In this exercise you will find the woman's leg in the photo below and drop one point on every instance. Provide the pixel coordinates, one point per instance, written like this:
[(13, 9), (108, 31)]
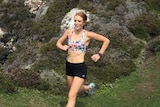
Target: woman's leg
[(84, 88), (69, 81), (75, 87)]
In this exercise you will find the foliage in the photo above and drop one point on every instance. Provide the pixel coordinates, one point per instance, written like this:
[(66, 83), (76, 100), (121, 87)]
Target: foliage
[(154, 45), (45, 31), (110, 69), (55, 80), (140, 88), (58, 9), (115, 63), (145, 27), (29, 79), (3, 54), (11, 17), (7, 84), (153, 4), (87, 5), (51, 57), (120, 41), (50, 27), (114, 3)]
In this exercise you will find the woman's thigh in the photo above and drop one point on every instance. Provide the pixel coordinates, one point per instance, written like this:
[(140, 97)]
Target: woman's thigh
[(69, 80), (76, 85)]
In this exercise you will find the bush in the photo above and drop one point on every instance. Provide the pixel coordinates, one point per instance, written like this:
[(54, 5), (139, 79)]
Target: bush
[(58, 9), (3, 54), (145, 27), (114, 3), (56, 81), (14, 12), (87, 5), (7, 84), (123, 41), (109, 70), (154, 45), (153, 4), (45, 31), (51, 57), (29, 79)]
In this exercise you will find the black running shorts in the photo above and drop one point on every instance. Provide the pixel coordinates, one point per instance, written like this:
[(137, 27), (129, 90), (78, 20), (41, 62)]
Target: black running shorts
[(76, 69)]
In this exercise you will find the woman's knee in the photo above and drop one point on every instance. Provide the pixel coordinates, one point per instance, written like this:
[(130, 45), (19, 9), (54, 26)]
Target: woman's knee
[(72, 96)]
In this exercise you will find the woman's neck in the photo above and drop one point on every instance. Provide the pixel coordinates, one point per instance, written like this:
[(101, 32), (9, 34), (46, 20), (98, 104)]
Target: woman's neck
[(78, 31)]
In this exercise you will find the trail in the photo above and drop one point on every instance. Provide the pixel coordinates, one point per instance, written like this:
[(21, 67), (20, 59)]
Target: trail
[(146, 87)]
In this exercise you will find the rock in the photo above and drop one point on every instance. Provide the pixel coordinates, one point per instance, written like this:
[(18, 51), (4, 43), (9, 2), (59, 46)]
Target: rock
[(33, 4), (1, 33)]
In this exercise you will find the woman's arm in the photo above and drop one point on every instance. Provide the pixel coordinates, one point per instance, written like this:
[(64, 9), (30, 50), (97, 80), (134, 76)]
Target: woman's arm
[(61, 40), (104, 46)]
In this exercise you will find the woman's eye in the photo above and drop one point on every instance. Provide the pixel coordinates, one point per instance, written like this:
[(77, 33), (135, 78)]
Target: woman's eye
[(77, 21)]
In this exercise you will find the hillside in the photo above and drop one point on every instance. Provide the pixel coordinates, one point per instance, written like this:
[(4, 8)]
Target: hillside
[(29, 57)]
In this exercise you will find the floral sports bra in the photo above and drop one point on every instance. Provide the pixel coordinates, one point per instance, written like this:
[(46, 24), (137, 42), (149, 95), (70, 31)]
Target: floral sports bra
[(78, 45)]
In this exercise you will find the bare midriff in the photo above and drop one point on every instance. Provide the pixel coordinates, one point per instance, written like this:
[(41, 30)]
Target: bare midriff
[(75, 56)]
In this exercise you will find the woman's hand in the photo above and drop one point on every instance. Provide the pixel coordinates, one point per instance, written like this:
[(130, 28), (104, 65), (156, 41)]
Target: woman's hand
[(65, 47), (95, 57)]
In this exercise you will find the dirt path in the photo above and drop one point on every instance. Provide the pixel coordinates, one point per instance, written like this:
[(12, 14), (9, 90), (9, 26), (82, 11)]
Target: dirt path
[(146, 87)]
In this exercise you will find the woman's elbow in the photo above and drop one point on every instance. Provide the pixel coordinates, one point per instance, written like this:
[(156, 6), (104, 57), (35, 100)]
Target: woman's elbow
[(57, 44), (107, 40)]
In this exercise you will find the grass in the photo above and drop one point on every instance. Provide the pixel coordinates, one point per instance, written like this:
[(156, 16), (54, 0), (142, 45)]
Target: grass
[(140, 89)]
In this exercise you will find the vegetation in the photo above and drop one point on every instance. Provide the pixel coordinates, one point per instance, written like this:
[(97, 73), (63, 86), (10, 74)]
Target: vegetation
[(7, 84), (120, 75), (145, 27), (154, 45), (153, 4), (140, 88)]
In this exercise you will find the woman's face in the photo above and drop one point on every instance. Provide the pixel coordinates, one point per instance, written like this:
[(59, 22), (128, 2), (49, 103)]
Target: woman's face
[(78, 22)]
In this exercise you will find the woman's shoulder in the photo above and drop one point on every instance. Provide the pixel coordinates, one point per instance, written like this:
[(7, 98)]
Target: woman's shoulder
[(69, 30), (89, 33)]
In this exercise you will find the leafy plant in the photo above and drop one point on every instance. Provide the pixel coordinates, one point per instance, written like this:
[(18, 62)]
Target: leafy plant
[(7, 84), (29, 79), (154, 45), (153, 4), (3, 55), (145, 27), (87, 5), (51, 57)]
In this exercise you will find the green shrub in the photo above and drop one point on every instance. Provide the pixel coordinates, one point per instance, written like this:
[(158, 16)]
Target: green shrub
[(58, 9), (135, 50), (108, 70), (113, 4), (13, 13), (29, 79), (3, 54), (153, 4), (51, 57), (87, 5), (45, 30), (112, 65), (57, 81), (7, 84), (50, 27), (154, 45), (122, 41), (145, 27)]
